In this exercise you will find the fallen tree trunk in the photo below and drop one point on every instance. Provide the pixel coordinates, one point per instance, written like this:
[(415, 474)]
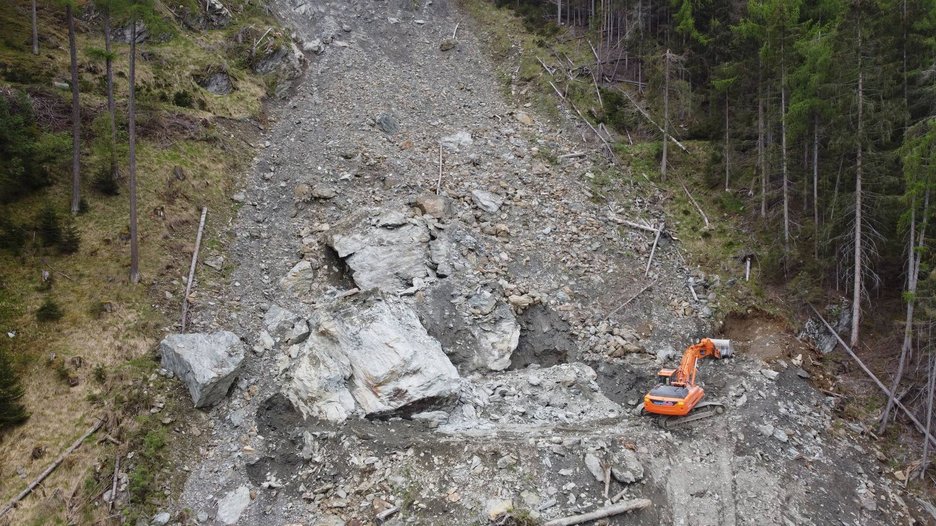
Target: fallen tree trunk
[(191, 275), (601, 513), (48, 471), (920, 427)]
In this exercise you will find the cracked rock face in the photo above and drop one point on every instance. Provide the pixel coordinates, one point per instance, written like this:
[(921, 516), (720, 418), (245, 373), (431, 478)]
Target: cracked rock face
[(385, 252), (373, 357)]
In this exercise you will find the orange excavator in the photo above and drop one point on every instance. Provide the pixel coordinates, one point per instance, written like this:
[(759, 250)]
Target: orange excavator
[(677, 394)]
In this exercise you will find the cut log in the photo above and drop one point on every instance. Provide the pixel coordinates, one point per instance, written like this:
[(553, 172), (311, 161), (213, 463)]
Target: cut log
[(191, 275), (601, 513), (48, 471)]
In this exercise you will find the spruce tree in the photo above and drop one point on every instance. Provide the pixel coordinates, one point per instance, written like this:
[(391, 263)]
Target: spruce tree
[(12, 412), (49, 227)]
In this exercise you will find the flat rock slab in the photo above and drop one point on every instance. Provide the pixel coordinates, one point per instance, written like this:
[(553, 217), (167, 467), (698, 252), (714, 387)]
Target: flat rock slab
[(206, 363), (487, 201), (232, 505), (371, 354)]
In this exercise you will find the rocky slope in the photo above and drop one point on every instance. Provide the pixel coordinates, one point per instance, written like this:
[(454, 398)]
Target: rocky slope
[(454, 345)]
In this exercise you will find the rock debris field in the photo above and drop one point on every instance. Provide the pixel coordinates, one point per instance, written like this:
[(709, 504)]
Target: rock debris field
[(414, 357)]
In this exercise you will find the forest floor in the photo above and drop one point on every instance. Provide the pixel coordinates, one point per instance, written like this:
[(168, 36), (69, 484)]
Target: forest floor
[(355, 148), (96, 362)]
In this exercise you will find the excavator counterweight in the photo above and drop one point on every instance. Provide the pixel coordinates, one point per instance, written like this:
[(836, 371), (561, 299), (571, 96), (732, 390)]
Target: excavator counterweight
[(677, 393)]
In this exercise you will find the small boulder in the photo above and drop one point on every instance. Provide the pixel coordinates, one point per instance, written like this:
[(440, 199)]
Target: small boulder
[(387, 124), (487, 201), (434, 205), (315, 46), (324, 191), (206, 363), (232, 505), (524, 118), (299, 279), (447, 44), (279, 321), (625, 468), (456, 141), (593, 464), (302, 193)]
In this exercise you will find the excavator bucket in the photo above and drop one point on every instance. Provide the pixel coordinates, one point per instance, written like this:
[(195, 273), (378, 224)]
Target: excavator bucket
[(724, 347)]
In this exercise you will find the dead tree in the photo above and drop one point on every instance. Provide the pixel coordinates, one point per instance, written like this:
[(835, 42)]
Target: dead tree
[(131, 128), (35, 30), (76, 113), (914, 255), (666, 68), (858, 259)]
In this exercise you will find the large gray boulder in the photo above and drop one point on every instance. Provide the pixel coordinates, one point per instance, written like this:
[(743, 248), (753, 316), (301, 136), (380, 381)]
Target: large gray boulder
[(372, 354), (206, 363), (386, 251)]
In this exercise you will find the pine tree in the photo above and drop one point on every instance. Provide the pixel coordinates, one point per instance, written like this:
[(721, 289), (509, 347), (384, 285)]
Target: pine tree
[(49, 227), (138, 11), (12, 412), (76, 110), (71, 238)]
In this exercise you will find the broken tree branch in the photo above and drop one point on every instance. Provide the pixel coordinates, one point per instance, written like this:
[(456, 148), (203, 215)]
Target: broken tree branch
[(880, 385), (653, 250), (455, 32), (110, 505), (647, 116), (699, 208), (638, 226), (632, 298), (191, 275), (597, 134), (439, 182), (42, 476), (547, 68), (607, 511), (257, 43)]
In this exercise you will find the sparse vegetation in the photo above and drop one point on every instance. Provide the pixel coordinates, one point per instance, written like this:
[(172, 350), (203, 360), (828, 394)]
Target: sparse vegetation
[(49, 311), (94, 313)]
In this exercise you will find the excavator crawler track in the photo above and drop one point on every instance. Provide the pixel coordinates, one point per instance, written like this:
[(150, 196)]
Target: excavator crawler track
[(701, 411)]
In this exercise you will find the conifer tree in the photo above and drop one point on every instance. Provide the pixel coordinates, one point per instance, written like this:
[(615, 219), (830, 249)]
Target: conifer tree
[(12, 412)]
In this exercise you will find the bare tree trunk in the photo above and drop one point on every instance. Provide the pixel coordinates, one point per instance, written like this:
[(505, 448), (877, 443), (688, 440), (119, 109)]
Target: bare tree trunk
[(727, 162), (131, 117), (76, 114), (908, 328), (783, 150), (931, 387), (761, 154), (35, 30), (856, 292), (815, 186), (559, 12), (111, 105), (914, 255), (666, 59)]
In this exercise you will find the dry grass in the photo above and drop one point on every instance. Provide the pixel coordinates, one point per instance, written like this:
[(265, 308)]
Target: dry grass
[(107, 322)]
